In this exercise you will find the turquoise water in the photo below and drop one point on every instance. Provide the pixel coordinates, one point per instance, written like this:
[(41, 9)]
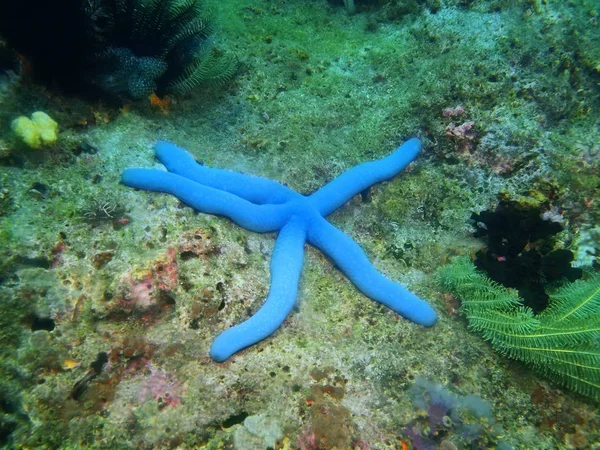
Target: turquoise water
[(111, 297)]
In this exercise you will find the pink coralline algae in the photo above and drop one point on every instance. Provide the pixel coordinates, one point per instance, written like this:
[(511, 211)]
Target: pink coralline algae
[(453, 112), (162, 387), (148, 292), (464, 136), (165, 271), (196, 244), (464, 131)]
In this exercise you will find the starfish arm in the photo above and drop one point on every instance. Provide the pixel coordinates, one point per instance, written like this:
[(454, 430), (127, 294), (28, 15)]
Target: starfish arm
[(254, 189), (286, 266), (258, 218), (352, 261), (355, 180)]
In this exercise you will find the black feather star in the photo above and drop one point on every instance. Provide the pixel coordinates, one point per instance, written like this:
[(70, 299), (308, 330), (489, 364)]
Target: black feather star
[(126, 48), (520, 253), (161, 46)]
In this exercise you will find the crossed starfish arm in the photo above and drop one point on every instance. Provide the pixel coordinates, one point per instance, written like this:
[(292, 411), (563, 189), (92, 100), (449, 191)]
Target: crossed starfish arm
[(258, 218), (254, 189)]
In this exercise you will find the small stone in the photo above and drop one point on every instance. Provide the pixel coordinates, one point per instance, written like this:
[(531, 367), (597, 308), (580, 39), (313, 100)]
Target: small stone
[(447, 445)]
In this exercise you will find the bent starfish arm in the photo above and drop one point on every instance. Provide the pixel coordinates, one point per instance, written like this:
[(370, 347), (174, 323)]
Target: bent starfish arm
[(286, 267), (258, 218), (352, 261), (249, 187), (355, 180)]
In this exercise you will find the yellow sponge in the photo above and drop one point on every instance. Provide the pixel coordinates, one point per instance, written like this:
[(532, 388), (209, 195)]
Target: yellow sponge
[(37, 132)]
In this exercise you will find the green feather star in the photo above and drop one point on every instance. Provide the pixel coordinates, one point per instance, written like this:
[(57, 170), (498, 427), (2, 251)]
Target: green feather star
[(562, 342)]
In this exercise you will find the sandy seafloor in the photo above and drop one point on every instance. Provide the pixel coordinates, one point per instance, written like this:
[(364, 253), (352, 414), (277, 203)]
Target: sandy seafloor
[(318, 91)]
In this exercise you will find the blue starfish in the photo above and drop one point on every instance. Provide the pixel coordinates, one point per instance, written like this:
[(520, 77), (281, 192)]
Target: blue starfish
[(262, 206)]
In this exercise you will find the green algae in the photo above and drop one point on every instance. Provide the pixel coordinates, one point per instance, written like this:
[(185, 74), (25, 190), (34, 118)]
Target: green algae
[(319, 91)]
